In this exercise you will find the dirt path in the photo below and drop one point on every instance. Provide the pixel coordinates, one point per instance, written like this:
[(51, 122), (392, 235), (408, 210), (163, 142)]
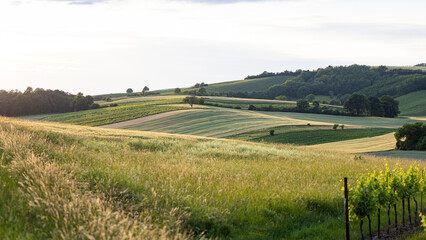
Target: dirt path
[(145, 119)]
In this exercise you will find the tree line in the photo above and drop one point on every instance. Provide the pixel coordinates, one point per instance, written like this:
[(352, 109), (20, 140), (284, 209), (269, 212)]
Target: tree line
[(343, 80), (41, 101)]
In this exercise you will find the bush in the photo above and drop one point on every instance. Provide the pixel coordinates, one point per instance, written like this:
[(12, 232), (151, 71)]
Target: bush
[(335, 126), (411, 136), (272, 132), (95, 106), (251, 107), (282, 97)]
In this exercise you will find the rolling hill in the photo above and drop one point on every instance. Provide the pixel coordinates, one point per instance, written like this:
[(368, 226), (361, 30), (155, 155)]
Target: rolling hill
[(413, 104), (65, 180)]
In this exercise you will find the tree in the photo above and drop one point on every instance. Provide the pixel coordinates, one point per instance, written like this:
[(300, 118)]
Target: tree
[(251, 107), (411, 136), (390, 106), (202, 91), (375, 107), (316, 105), (190, 100), (129, 90), (302, 105), (303, 91), (177, 90), (356, 104), (81, 102), (310, 97), (145, 90)]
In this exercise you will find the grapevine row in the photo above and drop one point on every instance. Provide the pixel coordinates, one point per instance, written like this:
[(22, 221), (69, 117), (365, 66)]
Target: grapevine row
[(383, 190)]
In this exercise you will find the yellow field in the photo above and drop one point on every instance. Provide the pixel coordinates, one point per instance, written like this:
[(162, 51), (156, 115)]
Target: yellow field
[(361, 145)]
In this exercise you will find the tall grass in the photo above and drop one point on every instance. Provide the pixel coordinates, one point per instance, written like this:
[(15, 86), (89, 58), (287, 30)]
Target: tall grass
[(61, 207), (147, 181)]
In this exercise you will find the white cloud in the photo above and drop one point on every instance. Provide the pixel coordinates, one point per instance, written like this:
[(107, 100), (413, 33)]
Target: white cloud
[(112, 45)]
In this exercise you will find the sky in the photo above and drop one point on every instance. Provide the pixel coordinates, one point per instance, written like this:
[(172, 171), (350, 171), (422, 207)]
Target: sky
[(107, 46)]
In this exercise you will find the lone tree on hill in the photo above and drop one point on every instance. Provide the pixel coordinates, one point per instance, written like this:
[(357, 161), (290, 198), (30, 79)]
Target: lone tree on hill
[(145, 90), (357, 104), (190, 100), (177, 90), (129, 90)]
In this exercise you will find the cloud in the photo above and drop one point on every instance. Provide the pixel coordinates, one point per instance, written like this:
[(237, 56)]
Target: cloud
[(82, 2), (115, 44)]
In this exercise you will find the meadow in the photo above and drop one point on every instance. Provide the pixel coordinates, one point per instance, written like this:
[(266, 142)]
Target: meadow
[(413, 104), (123, 112), (247, 85), (317, 134), (160, 186)]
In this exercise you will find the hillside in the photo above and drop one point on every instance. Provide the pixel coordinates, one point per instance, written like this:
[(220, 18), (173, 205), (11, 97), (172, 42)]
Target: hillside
[(65, 180), (413, 104), (247, 85)]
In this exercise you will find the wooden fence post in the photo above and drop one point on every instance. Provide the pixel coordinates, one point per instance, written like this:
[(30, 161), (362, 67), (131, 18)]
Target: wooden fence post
[(346, 208)]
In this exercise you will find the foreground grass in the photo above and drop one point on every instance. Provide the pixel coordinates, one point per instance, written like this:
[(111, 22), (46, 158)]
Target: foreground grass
[(310, 135), (223, 188), (120, 113)]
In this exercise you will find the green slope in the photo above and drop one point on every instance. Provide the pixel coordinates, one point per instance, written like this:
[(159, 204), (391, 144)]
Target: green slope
[(413, 104), (227, 122), (247, 85)]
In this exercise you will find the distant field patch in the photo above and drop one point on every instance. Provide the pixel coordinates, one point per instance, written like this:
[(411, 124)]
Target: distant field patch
[(305, 135), (214, 122), (120, 113), (247, 85), (413, 104), (369, 122), (361, 145), (400, 154)]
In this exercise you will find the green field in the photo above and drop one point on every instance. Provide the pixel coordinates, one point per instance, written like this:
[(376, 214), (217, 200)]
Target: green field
[(247, 85), (220, 122), (122, 112), (65, 180), (413, 104), (212, 122), (310, 135), (370, 122)]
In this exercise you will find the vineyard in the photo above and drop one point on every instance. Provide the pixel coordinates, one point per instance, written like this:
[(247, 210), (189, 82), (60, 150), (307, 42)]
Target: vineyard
[(385, 190)]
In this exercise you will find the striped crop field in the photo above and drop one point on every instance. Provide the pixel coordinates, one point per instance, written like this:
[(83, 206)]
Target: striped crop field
[(310, 135), (220, 122), (213, 122), (123, 112)]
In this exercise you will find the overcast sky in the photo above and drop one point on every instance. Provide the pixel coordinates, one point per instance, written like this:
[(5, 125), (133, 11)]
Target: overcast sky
[(108, 46)]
